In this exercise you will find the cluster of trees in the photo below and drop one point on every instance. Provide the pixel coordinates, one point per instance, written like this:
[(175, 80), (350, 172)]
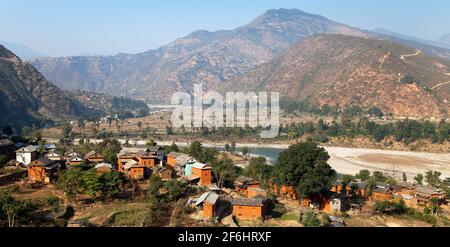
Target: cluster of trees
[(160, 192), (85, 180), (406, 131)]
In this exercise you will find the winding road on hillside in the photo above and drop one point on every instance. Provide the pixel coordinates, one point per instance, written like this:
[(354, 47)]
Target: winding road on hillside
[(404, 56)]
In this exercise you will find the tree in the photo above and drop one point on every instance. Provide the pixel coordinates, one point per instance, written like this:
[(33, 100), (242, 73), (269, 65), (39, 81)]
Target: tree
[(111, 183), (3, 160), (405, 178), (227, 148), (195, 149), (174, 189), (305, 167), (155, 185), (233, 147), (259, 169), (225, 171), (70, 182), (364, 175), (433, 178), (139, 124), (169, 130), (7, 131), (309, 219), (91, 182), (419, 179), (10, 207), (245, 150)]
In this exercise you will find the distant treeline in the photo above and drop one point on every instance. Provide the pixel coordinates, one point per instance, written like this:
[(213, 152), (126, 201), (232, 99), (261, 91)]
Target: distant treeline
[(406, 131), (292, 107)]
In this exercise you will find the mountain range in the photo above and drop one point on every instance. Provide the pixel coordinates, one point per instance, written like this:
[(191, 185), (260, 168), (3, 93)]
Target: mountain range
[(343, 71), (201, 57), (221, 58)]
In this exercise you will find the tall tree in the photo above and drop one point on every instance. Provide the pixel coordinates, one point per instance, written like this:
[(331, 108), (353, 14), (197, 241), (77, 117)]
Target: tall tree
[(304, 166)]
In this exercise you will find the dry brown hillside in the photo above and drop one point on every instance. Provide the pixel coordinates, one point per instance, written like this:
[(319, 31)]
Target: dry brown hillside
[(342, 71)]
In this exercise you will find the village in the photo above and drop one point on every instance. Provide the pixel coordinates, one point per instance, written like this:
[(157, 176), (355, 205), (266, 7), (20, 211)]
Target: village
[(176, 188)]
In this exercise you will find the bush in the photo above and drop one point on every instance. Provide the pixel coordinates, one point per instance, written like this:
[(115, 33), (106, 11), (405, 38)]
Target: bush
[(309, 219)]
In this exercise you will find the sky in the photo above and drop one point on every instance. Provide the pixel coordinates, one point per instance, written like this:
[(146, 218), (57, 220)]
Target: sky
[(108, 27)]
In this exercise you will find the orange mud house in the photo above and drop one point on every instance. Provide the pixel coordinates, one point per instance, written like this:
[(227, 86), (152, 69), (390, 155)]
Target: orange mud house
[(382, 192), (207, 202), (94, 157), (202, 173), (134, 170), (359, 187), (42, 170), (163, 172), (285, 191), (249, 208), (147, 158), (172, 159), (426, 194), (243, 183)]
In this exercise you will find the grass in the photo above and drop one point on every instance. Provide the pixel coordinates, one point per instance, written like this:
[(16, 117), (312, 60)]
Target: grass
[(289, 216)]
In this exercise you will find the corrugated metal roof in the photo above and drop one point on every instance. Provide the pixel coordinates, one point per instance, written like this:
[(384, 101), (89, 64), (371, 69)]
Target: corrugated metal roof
[(248, 201)]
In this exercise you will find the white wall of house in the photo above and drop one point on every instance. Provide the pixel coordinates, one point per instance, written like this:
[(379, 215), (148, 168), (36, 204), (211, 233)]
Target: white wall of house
[(25, 157)]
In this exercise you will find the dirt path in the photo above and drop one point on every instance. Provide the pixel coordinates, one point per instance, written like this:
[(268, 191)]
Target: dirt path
[(384, 60), (404, 56), (440, 85)]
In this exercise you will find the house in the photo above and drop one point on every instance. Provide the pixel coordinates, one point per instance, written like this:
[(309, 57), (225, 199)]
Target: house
[(172, 159), (208, 201), (285, 191), (123, 157), (242, 183), (425, 194), (361, 188), (134, 170), (338, 188), (188, 167), (42, 170), (74, 160), (163, 172), (156, 151), (7, 148), (203, 173), (26, 155), (176, 160), (147, 158), (103, 168), (50, 147), (382, 192), (255, 192), (94, 157), (55, 156), (69, 154), (249, 208)]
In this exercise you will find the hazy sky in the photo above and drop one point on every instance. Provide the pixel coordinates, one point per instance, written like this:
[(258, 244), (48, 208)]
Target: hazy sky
[(80, 27)]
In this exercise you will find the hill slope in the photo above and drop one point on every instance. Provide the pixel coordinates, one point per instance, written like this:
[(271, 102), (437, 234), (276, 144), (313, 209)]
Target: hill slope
[(25, 53), (201, 57), (26, 96), (343, 71)]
